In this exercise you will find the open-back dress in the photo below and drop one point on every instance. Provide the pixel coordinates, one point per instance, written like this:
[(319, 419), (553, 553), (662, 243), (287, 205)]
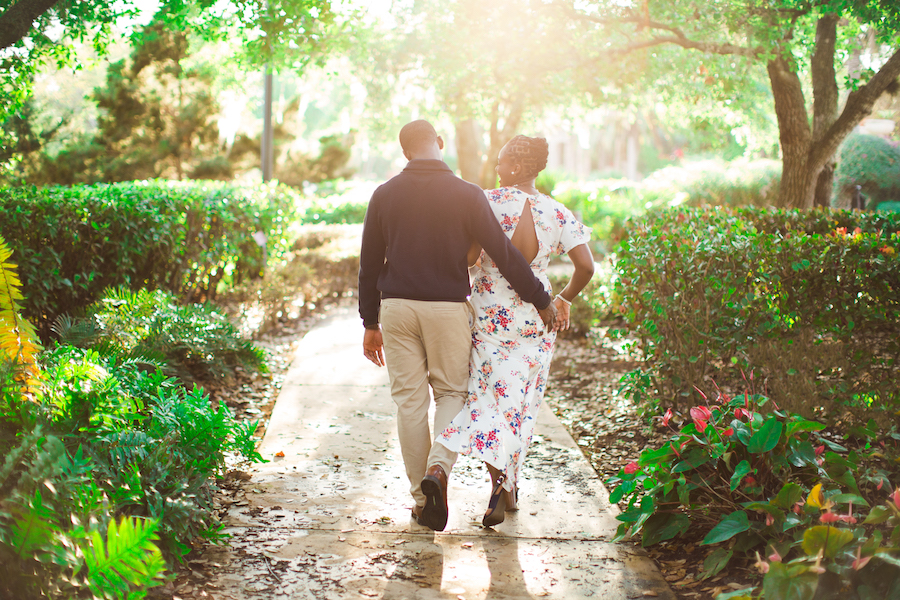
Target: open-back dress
[(511, 350)]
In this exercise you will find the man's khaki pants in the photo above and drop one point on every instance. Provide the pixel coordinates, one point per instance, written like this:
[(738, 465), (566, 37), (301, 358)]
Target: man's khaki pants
[(426, 343)]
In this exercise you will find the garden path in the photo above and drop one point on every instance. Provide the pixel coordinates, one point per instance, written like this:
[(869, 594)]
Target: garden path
[(328, 517)]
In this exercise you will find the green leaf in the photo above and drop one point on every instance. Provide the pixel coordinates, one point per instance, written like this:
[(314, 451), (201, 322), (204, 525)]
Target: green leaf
[(801, 453), (803, 425), (789, 494), (664, 526), (716, 561), (129, 557), (847, 498), (789, 582), (727, 528), (766, 437), (744, 594), (878, 514), (830, 538), (692, 459), (742, 469)]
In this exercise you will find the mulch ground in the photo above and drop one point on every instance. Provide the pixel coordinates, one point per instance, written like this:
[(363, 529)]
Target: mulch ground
[(583, 392)]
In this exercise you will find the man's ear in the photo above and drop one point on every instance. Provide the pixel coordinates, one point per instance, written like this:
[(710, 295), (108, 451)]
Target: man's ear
[(440, 142)]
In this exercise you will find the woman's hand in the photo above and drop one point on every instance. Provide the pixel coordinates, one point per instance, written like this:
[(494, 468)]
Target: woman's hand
[(562, 314)]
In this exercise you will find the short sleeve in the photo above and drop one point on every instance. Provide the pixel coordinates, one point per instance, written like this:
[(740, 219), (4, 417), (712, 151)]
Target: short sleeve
[(572, 232)]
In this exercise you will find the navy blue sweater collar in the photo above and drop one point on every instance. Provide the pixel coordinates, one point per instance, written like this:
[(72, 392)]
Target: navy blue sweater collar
[(422, 165)]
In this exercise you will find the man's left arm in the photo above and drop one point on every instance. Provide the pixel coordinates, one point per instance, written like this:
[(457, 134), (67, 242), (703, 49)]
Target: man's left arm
[(371, 261)]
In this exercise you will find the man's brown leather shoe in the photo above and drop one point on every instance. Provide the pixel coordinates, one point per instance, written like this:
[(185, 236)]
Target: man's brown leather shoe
[(434, 486)]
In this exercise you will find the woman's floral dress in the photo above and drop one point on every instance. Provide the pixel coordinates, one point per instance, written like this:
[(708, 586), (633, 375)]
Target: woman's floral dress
[(511, 352)]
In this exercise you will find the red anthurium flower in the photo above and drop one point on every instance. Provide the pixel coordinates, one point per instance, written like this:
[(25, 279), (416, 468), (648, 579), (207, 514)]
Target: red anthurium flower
[(667, 417), (774, 557), (741, 412), (749, 480), (895, 497), (829, 517), (701, 413), (820, 450), (631, 467), (860, 562), (728, 432)]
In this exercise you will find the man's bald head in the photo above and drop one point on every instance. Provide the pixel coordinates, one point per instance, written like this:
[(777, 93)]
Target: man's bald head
[(418, 137)]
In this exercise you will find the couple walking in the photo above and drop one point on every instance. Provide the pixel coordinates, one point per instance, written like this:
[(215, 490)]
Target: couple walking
[(486, 360)]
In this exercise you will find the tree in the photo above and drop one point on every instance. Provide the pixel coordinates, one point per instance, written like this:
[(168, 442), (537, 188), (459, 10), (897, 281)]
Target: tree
[(799, 44), (488, 63), (286, 34)]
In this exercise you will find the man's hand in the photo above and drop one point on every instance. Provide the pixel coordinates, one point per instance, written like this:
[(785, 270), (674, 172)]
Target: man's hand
[(548, 316), (373, 346)]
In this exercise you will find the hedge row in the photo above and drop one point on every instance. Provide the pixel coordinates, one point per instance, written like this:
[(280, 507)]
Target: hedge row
[(808, 302), (71, 243)]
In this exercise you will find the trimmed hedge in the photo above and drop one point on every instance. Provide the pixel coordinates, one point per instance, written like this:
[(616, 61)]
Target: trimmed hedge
[(806, 301), (71, 243)]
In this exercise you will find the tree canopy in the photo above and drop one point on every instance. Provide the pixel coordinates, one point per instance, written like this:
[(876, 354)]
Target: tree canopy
[(286, 34), (803, 45)]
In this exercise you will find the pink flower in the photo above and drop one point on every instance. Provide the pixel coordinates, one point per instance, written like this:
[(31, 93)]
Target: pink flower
[(829, 517), (761, 565), (667, 417), (774, 557), (631, 467), (700, 415), (860, 562), (895, 497), (820, 450), (880, 484), (769, 521), (742, 412)]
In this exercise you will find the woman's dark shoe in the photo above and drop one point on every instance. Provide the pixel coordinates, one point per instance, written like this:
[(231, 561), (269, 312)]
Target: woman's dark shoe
[(497, 505)]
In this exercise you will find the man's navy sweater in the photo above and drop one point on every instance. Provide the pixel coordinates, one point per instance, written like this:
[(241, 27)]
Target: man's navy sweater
[(419, 226)]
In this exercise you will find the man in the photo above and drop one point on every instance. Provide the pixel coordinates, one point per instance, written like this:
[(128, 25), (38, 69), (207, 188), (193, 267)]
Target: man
[(418, 229)]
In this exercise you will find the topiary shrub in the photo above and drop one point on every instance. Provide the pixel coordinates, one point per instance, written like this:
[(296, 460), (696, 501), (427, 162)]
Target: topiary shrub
[(873, 164)]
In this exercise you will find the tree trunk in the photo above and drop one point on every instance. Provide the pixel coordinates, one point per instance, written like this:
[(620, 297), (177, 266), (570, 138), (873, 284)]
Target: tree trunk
[(499, 137), (825, 99), (796, 189), (19, 18), (468, 150)]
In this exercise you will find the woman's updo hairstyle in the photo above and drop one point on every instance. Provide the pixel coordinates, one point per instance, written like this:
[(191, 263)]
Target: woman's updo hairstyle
[(529, 152)]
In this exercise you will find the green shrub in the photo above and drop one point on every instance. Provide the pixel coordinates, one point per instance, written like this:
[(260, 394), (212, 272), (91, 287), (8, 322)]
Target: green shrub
[(873, 164), (774, 485), (107, 462), (185, 237), (193, 342), (791, 295)]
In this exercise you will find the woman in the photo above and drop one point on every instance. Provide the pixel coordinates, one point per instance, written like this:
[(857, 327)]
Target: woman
[(511, 350)]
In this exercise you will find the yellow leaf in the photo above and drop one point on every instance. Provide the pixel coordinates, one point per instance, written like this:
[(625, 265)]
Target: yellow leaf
[(815, 497)]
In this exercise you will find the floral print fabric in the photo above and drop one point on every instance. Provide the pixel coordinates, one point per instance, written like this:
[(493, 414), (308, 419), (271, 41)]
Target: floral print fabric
[(511, 352)]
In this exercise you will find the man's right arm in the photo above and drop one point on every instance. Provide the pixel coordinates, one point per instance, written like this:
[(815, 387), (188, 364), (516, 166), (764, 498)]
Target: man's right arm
[(371, 261)]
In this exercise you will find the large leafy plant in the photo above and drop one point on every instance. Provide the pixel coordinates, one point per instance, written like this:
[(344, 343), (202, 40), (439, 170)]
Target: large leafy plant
[(769, 484)]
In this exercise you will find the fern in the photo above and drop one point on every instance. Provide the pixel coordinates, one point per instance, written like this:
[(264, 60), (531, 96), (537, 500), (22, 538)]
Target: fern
[(18, 341), (127, 560), (32, 527)]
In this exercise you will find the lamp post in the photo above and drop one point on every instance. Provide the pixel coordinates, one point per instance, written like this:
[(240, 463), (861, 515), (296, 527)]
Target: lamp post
[(267, 149)]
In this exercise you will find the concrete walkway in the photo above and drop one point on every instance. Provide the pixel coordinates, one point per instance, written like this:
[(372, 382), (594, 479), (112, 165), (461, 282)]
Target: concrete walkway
[(331, 517)]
